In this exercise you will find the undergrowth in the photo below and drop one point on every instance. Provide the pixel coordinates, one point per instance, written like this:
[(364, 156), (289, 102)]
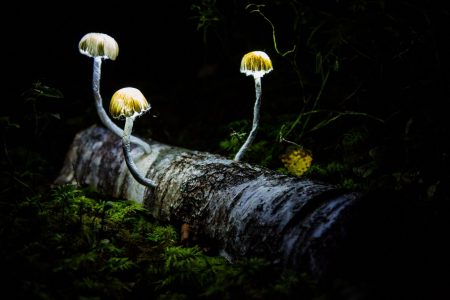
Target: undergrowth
[(71, 243)]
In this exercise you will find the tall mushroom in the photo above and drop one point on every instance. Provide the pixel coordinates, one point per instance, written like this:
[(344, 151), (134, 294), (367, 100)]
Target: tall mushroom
[(130, 103), (101, 46), (256, 64)]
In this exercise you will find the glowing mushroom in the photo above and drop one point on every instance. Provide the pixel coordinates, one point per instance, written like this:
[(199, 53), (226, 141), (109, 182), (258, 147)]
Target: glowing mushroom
[(101, 46), (256, 64), (130, 103)]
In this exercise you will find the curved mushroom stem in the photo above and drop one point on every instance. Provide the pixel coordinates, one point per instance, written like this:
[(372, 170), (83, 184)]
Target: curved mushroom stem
[(252, 135), (101, 111), (127, 152)]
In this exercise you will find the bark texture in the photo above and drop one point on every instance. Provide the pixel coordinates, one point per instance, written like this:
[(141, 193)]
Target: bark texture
[(244, 209)]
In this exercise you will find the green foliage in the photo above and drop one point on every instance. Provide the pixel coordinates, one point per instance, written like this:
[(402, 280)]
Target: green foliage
[(319, 39), (206, 13), (348, 84), (207, 16), (120, 212), (24, 156), (255, 278), (163, 234), (262, 151), (41, 118), (355, 169), (70, 241), (188, 270), (257, 152), (232, 144)]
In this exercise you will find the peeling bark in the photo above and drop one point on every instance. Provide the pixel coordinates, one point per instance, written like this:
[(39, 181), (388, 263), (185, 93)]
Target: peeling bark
[(245, 209)]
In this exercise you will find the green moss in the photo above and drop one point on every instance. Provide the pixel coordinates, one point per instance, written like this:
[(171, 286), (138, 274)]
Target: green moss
[(71, 241)]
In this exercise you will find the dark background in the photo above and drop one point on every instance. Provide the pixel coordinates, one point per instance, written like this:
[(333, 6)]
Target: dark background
[(160, 53), (189, 81), (393, 64), (191, 78)]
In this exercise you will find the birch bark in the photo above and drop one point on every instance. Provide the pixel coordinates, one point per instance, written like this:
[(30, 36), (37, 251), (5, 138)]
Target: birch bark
[(246, 210)]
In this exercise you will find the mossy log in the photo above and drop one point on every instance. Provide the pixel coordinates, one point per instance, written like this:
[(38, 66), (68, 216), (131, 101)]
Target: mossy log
[(245, 210)]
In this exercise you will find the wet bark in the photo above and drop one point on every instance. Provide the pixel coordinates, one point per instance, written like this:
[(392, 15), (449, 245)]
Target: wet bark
[(244, 209)]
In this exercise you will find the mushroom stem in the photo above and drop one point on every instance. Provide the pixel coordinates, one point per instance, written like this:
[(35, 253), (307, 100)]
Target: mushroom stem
[(101, 111), (252, 134), (127, 153)]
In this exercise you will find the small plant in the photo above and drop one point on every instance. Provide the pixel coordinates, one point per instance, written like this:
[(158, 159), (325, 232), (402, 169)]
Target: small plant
[(37, 92), (207, 15), (233, 143)]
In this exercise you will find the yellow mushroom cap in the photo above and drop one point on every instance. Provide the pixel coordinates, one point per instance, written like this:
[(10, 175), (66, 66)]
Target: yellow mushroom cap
[(99, 45), (256, 63), (128, 102)]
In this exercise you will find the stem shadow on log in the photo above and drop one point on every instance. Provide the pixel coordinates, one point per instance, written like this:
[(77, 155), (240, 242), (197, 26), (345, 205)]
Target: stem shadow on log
[(245, 209)]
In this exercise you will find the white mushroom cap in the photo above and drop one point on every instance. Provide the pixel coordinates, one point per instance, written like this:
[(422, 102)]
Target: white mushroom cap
[(128, 102), (256, 63), (99, 45)]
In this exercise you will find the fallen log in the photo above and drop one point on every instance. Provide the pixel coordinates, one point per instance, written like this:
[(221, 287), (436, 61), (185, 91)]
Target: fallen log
[(246, 210)]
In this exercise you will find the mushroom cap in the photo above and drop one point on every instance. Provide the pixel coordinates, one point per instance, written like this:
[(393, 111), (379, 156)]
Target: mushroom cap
[(128, 102), (256, 63), (96, 44)]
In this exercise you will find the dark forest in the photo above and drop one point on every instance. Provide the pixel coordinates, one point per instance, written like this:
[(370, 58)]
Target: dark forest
[(357, 98)]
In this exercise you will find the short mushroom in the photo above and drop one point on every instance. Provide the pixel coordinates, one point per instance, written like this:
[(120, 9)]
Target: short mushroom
[(256, 64), (101, 46), (130, 103)]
